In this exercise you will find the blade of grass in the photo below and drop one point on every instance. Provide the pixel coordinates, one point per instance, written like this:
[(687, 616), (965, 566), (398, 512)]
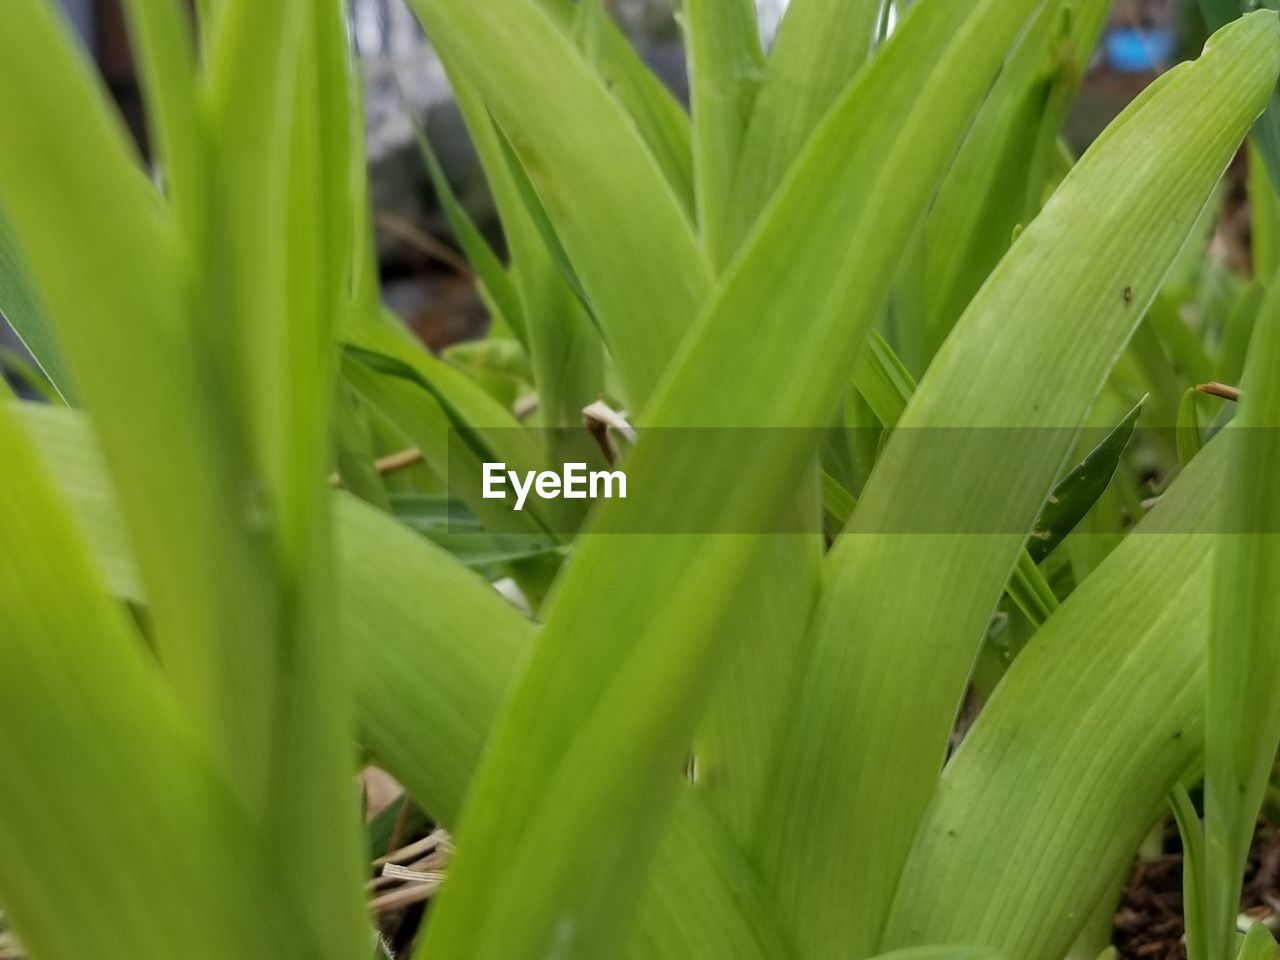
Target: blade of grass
[(1046, 799), (427, 702), (820, 47), (726, 66), (626, 231), (660, 118), (634, 698), (918, 605), (1259, 944), (86, 714), (445, 441), (1191, 830), (496, 285), (1080, 489), (161, 34), (1264, 217), (998, 176), (1266, 135), (886, 383), (19, 307), (353, 450), (564, 345), (312, 754), (124, 322), (1243, 709)]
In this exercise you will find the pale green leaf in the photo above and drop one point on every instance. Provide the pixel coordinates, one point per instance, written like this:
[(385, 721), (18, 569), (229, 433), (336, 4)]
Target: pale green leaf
[(726, 66), (161, 34), (88, 717), (660, 118), (1041, 337), (1047, 798), (1259, 944), (1191, 831), (428, 693), (1243, 709), (999, 174), (820, 47), (624, 228), (639, 661)]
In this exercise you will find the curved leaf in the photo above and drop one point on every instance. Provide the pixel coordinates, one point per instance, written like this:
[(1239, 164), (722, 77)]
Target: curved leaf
[(617, 678), (903, 616), (1047, 798)]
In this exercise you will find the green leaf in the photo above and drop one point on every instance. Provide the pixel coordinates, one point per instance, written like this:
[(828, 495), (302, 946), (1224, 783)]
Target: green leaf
[(1266, 135), (565, 347), (14, 366), (1193, 871), (1079, 490), (87, 715), (1264, 217), (1179, 339), (726, 66), (1259, 944), (447, 523), (566, 342), (640, 661), (1046, 799), (492, 276), (1239, 330), (381, 831), (998, 176), (1243, 709), (281, 268), (453, 421), (660, 118), (1189, 438), (19, 307), (452, 447), (124, 323), (427, 702), (920, 603), (160, 32), (625, 230), (819, 48), (353, 449)]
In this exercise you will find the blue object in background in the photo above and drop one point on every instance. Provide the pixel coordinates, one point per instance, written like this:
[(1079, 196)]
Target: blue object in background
[(81, 13), (1132, 50)]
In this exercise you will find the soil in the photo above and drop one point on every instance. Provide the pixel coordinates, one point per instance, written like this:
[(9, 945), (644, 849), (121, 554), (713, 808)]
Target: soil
[(1148, 923)]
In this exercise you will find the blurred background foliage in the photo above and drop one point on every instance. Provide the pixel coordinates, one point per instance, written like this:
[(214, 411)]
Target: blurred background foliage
[(1196, 331), (424, 280)]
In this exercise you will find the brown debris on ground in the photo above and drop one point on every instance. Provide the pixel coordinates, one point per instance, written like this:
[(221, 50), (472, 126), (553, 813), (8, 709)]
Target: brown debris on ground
[(1148, 923)]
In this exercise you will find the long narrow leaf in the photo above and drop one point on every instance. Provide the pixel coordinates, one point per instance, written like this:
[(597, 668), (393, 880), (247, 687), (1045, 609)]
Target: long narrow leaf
[(428, 695), (625, 707), (903, 616), (628, 234), (1046, 799), (87, 714), (726, 65), (163, 37), (106, 260), (820, 47), (1243, 707)]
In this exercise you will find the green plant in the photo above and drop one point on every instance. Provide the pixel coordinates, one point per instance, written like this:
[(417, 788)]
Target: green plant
[(192, 622)]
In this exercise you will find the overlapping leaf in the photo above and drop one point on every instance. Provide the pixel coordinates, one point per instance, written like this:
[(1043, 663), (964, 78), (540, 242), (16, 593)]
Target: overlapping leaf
[(903, 615)]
